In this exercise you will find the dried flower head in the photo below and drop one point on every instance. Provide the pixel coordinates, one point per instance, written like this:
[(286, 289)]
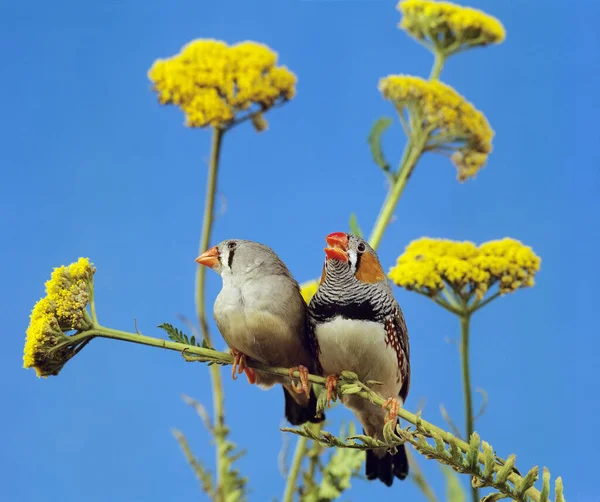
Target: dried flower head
[(429, 265), (212, 82), (448, 120), (447, 27), (63, 309)]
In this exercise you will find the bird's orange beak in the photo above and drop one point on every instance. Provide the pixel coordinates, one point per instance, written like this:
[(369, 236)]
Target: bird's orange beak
[(209, 258), (337, 246)]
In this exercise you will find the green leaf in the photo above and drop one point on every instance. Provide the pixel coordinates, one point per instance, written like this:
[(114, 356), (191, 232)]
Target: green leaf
[(558, 489), (354, 227), (490, 461), (472, 458), (454, 490), (527, 482), (379, 127), (506, 469), (174, 334), (544, 496)]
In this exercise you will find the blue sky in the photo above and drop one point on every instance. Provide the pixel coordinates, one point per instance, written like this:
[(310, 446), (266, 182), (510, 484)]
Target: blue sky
[(92, 166)]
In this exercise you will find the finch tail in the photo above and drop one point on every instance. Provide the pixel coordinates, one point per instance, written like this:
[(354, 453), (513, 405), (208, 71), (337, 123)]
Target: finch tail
[(388, 466), (298, 414)]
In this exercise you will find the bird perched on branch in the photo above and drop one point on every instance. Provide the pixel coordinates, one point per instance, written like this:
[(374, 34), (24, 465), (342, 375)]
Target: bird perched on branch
[(356, 325), (262, 316)]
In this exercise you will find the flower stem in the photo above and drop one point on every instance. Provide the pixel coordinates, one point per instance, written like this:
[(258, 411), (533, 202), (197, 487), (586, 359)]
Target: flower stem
[(224, 358), (410, 157), (465, 319), (207, 223), (438, 64), (290, 485)]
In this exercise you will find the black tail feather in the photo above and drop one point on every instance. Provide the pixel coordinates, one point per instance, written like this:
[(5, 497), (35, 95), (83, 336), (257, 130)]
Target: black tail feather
[(388, 466), (297, 414)]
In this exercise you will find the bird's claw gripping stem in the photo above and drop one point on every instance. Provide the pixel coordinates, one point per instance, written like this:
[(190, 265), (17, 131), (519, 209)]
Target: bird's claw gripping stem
[(239, 365), (394, 406), (304, 386), (331, 386)]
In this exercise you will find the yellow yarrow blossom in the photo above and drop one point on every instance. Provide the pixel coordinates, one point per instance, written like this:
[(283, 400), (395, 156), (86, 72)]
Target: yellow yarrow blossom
[(448, 27), (429, 265), (68, 288), (446, 118), (212, 82), (43, 334), (63, 309), (308, 289)]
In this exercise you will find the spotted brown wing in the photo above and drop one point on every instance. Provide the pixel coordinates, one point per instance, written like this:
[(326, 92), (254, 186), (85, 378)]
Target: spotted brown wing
[(397, 337)]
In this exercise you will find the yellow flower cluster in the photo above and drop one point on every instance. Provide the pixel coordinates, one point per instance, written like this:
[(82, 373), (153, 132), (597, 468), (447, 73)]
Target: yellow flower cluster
[(62, 309), (447, 118), (68, 289), (308, 289), (428, 265), (211, 81), (449, 27)]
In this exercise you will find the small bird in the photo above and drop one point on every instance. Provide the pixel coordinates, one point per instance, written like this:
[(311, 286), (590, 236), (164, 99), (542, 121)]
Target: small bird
[(356, 325), (262, 316)]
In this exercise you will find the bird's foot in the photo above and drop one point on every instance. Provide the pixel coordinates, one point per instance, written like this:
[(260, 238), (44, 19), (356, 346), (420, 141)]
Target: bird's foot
[(239, 365), (331, 386), (304, 386), (394, 406)]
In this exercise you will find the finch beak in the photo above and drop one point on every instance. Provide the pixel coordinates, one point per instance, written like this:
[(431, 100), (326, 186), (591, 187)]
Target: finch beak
[(209, 258), (337, 246)]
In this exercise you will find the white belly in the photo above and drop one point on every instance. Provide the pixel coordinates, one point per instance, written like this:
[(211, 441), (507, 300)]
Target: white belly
[(359, 346)]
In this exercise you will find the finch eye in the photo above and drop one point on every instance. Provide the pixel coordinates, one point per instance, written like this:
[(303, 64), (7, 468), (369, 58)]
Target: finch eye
[(361, 247), (231, 245)]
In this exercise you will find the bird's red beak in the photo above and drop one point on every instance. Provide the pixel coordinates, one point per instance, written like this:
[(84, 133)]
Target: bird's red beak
[(209, 258), (337, 246)]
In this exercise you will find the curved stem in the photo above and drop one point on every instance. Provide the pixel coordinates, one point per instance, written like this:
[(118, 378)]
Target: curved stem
[(207, 223), (412, 152), (438, 64), (290, 485), (466, 377), (224, 358)]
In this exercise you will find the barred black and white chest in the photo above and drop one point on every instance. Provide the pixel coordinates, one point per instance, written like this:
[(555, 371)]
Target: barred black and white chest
[(361, 329)]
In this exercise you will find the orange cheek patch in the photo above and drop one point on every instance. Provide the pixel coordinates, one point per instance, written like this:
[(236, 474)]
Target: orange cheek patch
[(369, 269)]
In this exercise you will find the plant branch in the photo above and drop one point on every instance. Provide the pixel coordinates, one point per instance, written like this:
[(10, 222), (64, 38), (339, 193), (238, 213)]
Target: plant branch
[(220, 431), (348, 383), (410, 157), (292, 478), (466, 378), (440, 59)]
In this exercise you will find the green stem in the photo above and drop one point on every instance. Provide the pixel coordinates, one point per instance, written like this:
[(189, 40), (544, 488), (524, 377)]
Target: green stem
[(207, 223), (410, 157), (92, 303), (440, 59), (224, 358), (479, 305), (290, 485), (466, 377)]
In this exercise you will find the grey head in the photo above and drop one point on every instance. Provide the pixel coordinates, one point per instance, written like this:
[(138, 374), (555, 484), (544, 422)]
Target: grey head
[(243, 260)]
